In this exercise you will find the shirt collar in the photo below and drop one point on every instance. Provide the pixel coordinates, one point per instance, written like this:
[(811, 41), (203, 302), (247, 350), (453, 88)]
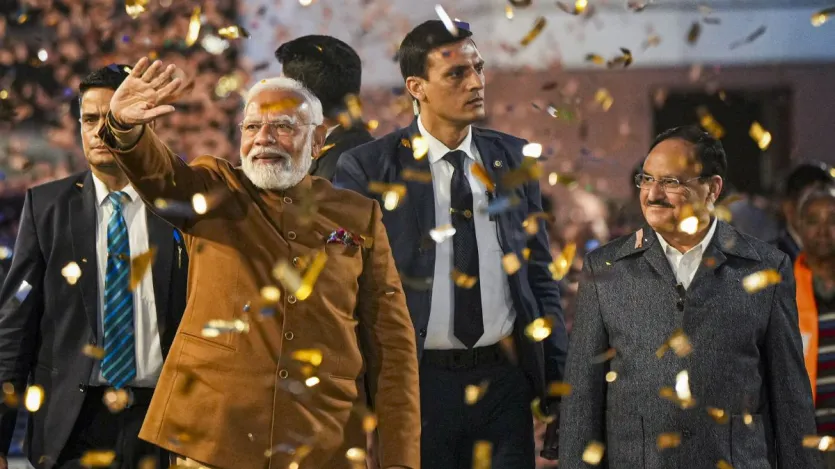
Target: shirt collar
[(102, 191), (702, 246), (437, 149)]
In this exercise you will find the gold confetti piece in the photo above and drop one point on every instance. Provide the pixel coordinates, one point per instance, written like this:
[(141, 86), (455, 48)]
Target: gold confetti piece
[(562, 264), (709, 123), (227, 84), (93, 352), (312, 381), (747, 418), (668, 440), (372, 125), (139, 266), (578, 8), (442, 233), (116, 400), (33, 398), (689, 225), (355, 455), (474, 392), (193, 27), (532, 150), (10, 398), (604, 357), (559, 389), (311, 275), (593, 453), (324, 150), (369, 423), (535, 31), (822, 16), (536, 410), (382, 188), (391, 200), (311, 356), (624, 59), (463, 280), (604, 99), (760, 280), (409, 174), (652, 41), (148, 462), (749, 38), (539, 329), (683, 394), (723, 213), (595, 59), (680, 343), (135, 8), (420, 147), (482, 455), (529, 170), (760, 135), (215, 327), (821, 443), (526, 254), (482, 175), (199, 204), (233, 32), (611, 376), (508, 12), (722, 464), (448, 23), (564, 179), (694, 33), (71, 272), (511, 263), (718, 415), (98, 458), (270, 293)]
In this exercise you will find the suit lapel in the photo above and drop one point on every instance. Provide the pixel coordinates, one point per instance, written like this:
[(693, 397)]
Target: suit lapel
[(161, 235), (495, 162), (420, 195), (329, 143), (726, 242), (83, 231), (645, 242)]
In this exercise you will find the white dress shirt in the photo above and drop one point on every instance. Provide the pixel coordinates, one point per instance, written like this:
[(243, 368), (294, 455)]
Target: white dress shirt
[(146, 329), (686, 264), (497, 306)]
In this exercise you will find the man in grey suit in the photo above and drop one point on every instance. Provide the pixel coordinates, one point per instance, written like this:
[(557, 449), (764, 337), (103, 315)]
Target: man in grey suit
[(685, 351)]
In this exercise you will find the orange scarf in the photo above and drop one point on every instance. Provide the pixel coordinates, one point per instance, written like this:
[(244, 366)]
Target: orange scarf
[(807, 316)]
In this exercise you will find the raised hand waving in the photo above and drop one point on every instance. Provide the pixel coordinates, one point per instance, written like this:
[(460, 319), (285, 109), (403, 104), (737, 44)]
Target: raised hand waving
[(146, 93)]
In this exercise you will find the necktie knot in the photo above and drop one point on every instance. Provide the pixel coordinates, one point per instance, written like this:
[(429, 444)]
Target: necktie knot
[(118, 198), (456, 159)]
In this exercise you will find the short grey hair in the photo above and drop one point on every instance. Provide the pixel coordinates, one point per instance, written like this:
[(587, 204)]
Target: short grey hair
[(814, 194), (289, 84)]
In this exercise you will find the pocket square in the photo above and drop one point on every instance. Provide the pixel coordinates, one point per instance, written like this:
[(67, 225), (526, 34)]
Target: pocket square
[(345, 237)]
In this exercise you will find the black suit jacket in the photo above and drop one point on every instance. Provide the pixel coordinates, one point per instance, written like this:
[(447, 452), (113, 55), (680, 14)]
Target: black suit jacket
[(42, 335), (534, 291), (786, 243), (342, 140)]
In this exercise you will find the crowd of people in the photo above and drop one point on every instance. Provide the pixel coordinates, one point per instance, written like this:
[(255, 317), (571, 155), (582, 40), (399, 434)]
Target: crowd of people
[(339, 301)]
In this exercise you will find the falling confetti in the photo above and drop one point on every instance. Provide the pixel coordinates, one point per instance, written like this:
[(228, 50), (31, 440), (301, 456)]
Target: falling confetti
[(508, 12), (312, 381), (511, 263), (135, 8), (595, 59), (356, 456), (116, 400), (559, 389), (233, 32), (473, 393), (718, 415), (310, 356), (529, 170), (539, 329), (10, 398), (578, 8), (749, 38), (216, 327), (761, 136), (565, 179), (71, 272), (531, 223), (409, 174), (420, 147), (139, 266), (822, 16), (481, 174), (709, 123), (747, 418), (448, 23), (760, 280), (821, 443), (98, 458), (535, 31), (611, 376), (532, 150), (562, 264), (694, 33), (482, 455), (604, 99), (668, 440), (625, 59), (604, 357), (689, 225), (369, 423), (463, 280), (199, 204), (270, 293), (722, 464), (193, 27), (93, 352), (442, 233), (33, 398), (536, 410), (593, 453)]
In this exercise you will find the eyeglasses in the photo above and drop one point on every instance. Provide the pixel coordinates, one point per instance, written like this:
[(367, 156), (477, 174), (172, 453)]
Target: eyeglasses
[(645, 181), (282, 128)]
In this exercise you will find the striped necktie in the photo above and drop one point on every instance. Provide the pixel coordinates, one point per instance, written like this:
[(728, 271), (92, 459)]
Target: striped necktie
[(119, 363)]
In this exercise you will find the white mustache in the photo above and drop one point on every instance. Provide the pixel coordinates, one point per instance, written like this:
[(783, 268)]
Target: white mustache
[(269, 151)]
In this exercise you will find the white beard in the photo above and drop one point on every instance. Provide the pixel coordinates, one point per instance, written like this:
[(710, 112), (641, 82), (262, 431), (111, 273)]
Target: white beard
[(279, 175)]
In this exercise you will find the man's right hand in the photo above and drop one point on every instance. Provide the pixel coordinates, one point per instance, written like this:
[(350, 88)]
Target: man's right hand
[(146, 94), (4, 463)]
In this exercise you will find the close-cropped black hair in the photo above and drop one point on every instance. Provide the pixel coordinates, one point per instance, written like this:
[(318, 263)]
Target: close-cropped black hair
[(109, 77), (709, 150), (804, 176), (326, 66), (420, 41)]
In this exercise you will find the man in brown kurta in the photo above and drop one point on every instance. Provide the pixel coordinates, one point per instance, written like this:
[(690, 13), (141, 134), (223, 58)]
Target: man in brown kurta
[(227, 399)]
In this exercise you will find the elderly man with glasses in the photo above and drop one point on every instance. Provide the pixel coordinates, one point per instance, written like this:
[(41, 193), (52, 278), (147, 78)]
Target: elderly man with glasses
[(685, 351), (292, 292)]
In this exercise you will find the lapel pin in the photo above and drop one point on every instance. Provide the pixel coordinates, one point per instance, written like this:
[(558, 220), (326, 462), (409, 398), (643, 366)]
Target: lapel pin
[(405, 142), (639, 238), (79, 184), (497, 164), (84, 260)]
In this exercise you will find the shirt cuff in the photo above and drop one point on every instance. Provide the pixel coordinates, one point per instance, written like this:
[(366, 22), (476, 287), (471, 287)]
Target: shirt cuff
[(116, 136)]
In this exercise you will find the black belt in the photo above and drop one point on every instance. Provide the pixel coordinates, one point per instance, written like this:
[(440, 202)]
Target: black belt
[(136, 396), (465, 359)]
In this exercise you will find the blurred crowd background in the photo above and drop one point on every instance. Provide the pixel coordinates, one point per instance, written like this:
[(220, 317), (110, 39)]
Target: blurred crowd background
[(592, 81)]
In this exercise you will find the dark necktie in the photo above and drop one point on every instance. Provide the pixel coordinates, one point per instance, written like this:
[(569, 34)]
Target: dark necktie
[(118, 366), (468, 320)]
